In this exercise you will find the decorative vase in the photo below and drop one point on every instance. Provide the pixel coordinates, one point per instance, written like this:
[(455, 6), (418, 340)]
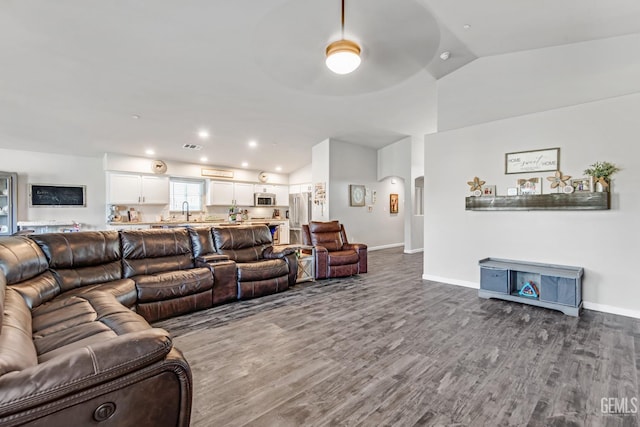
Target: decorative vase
[(599, 187)]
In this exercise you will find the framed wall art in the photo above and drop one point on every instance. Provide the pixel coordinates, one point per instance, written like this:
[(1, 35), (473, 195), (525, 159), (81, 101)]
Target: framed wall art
[(532, 161), (581, 185), (356, 195), (393, 204), (488, 190), (529, 186)]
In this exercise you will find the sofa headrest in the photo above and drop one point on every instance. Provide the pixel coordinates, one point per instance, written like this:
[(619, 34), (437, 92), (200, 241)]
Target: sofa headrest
[(324, 227), (326, 234), (76, 250), (139, 244), (201, 241), (242, 243), (21, 259), (241, 237)]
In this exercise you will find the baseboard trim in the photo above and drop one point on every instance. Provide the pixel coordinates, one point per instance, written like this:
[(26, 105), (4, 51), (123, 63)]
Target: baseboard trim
[(392, 245), (585, 304), (413, 251), (611, 309), (449, 281)]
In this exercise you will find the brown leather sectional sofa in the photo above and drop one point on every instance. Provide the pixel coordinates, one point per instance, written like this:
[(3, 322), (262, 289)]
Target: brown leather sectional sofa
[(76, 346)]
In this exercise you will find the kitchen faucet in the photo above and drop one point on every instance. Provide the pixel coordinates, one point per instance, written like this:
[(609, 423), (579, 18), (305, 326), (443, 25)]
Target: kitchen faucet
[(183, 210)]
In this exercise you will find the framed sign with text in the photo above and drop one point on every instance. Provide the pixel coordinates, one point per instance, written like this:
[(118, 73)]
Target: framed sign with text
[(532, 161)]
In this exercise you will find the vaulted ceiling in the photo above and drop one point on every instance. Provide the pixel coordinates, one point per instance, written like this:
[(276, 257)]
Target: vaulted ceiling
[(88, 77)]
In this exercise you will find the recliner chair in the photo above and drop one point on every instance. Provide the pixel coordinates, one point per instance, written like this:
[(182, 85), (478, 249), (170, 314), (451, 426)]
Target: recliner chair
[(335, 256)]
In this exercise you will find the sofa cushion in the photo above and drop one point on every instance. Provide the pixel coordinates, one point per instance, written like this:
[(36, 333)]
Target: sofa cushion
[(173, 284), (69, 323), (262, 270), (124, 290), (21, 259), (38, 290), (17, 351), (343, 257), (147, 252), (240, 243), (326, 234)]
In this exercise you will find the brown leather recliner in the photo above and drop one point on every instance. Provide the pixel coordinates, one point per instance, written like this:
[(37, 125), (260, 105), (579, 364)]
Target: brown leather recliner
[(262, 268), (335, 256)]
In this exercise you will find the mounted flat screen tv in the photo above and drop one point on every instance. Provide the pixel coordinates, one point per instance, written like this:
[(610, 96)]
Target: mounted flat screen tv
[(42, 195)]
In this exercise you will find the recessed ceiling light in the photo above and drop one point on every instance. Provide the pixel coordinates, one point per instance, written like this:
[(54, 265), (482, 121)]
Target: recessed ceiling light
[(466, 26), (203, 159), (135, 116), (445, 55), (253, 144), (150, 152), (245, 164), (203, 134), (278, 168)]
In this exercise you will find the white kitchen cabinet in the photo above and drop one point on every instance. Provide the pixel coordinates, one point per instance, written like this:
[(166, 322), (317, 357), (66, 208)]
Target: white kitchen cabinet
[(284, 233), (281, 192), (264, 188), (243, 194), (220, 193), (224, 193), (294, 189), (155, 190), (282, 196), (131, 189)]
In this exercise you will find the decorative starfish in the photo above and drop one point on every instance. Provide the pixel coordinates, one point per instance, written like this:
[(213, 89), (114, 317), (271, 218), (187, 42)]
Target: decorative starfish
[(558, 180), (476, 184)]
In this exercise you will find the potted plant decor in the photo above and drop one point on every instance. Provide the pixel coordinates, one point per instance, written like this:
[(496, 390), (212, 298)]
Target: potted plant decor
[(600, 173)]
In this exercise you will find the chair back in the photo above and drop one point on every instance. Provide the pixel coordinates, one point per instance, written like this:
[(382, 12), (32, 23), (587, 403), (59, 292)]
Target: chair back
[(326, 234)]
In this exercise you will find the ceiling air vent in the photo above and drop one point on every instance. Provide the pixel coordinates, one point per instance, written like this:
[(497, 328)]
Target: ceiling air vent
[(192, 147)]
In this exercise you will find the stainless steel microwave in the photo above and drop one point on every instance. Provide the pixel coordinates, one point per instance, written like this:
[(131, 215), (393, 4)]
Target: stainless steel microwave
[(264, 199)]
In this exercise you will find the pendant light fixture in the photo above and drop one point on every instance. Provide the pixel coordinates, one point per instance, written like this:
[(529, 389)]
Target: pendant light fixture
[(343, 56)]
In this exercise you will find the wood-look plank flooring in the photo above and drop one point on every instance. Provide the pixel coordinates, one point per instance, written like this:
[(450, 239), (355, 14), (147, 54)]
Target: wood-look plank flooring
[(389, 349)]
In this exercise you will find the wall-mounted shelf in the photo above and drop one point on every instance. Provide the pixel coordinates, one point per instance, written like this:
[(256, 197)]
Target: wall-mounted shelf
[(541, 202)]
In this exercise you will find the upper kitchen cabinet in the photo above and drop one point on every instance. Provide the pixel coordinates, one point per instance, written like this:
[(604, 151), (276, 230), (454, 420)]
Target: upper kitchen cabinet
[(281, 192), (301, 188), (131, 189), (225, 193)]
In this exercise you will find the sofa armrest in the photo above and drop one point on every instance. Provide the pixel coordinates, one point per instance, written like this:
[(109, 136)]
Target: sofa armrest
[(278, 251), (361, 249), (81, 369), (322, 262), (203, 260)]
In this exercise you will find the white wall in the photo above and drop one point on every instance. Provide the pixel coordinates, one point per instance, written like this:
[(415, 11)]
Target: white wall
[(501, 86), (321, 173), (355, 164), (46, 168), (405, 160), (302, 175), (603, 242)]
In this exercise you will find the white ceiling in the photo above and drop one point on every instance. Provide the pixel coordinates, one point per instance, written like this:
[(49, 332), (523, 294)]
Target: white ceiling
[(74, 72)]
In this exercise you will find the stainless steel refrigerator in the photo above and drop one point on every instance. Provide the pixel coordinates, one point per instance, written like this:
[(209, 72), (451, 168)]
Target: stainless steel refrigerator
[(299, 213), (8, 203)]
